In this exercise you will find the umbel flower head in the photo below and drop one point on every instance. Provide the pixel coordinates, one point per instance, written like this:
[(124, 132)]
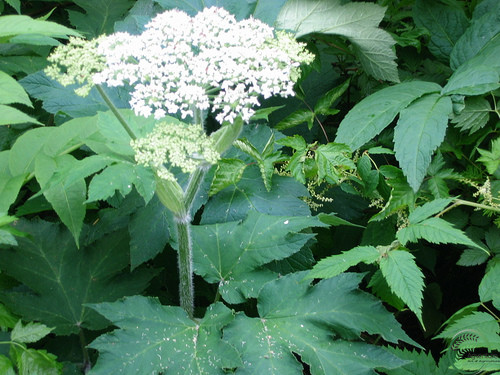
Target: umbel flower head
[(175, 143), (180, 64)]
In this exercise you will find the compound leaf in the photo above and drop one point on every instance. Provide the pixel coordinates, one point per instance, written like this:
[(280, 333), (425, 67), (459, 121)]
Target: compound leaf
[(420, 130), (153, 339), (474, 116), (374, 113), (358, 22), (313, 321), (228, 172), (62, 278)]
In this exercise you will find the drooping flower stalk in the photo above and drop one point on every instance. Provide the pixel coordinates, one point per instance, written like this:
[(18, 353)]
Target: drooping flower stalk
[(184, 65)]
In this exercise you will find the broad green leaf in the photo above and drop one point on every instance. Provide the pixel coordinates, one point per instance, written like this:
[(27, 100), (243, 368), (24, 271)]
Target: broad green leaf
[(31, 332), (23, 153), (223, 252), (332, 159), (138, 16), (12, 92), (476, 81), (374, 113), (99, 17), (11, 115), (249, 193), (67, 201), (434, 230), (428, 209), (313, 321), (6, 366), (16, 25), (445, 23), (9, 185), (482, 67), (228, 172), (296, 142), (333, 220), (240, 9), (154, 339), (358, 22), (62, 278), (489, 289), (298, 117), (474, 116), (404, 278), (484, 26), (420, 130), (149, 232), (34, 361), (268, 11), (336, 264)]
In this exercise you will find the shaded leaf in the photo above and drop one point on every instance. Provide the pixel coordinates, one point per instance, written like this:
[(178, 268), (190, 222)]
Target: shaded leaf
[(489, 287), (445, 23), (332, 159), (484, 26), (381, 289), (358, 22), (99, 17), (62, 278), (249, 193), (296, 118), (428, 209), (149, 232), (11, 115), (6, 366), (12, 92), (370, 116), (38, 362), (153, 338), (324, 103), (491, 159)]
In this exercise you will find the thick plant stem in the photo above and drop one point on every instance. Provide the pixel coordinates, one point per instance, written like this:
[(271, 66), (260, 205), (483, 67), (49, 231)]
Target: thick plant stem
[(186, 289), (117, 113)]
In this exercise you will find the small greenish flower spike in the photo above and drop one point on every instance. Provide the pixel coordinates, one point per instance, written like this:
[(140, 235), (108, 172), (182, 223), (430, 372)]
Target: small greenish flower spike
[(177, 145), (76, 62)]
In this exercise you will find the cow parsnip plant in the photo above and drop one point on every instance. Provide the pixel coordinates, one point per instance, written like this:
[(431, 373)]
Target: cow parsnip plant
[(163, 205)]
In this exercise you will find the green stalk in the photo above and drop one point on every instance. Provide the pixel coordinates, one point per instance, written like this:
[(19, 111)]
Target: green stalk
[(117, 113), (185, 263)]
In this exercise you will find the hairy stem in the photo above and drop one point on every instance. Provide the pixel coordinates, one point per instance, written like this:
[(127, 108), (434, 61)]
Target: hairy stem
[(186, 289), (86, 358), (117, 113)]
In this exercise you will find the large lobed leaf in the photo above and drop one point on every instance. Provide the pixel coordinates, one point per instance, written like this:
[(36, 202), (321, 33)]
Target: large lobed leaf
[(61, 278), (374, 113), (231, 253), (154, 339), (356, 21), (313, 322)]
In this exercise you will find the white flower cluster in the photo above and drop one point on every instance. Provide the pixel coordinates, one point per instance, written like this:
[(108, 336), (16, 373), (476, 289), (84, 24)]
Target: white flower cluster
[(175, 143), (180, 64)]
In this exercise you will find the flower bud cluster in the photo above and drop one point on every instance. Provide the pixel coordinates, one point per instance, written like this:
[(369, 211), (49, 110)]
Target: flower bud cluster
[(182, 63), (175, 144), (76, 62)]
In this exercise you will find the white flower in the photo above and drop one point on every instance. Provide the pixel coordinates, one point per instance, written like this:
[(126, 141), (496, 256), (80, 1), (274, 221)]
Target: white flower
[(181, 63)]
